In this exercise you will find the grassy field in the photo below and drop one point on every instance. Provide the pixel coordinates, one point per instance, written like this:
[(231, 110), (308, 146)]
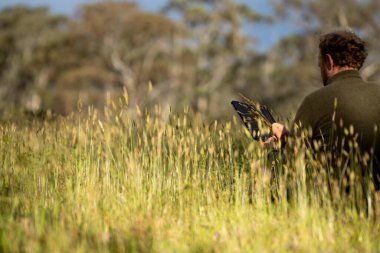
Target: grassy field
[(84, 184)]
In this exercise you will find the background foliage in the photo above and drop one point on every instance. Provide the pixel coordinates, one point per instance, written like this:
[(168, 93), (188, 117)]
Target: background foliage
[(193, 53)]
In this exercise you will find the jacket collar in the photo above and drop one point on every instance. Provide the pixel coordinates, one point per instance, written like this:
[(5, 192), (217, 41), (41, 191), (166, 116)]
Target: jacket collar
[(343, 75)]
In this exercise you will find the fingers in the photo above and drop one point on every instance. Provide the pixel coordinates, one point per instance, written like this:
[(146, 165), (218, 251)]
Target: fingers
[(279, 130), (269, 143)]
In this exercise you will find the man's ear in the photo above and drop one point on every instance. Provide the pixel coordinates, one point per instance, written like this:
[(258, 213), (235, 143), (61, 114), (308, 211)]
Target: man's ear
[(329, 62)]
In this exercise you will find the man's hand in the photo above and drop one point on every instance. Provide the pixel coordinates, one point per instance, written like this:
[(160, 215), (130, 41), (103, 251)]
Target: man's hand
[(270, 142), (279, 131)]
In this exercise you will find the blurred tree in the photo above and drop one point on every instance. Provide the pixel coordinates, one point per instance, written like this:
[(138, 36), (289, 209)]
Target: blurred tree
[(114, 46), (51, 61), (27, 38), (217, 48)]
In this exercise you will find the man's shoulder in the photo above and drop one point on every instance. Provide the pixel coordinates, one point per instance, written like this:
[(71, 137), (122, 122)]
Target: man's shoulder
[(312, 102), (374, 85), (319, 95)]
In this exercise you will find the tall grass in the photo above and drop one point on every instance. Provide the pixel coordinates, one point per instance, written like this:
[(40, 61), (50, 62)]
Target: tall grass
[(113, 184)]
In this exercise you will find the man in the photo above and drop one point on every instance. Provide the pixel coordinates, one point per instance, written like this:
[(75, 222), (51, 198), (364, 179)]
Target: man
[(346, 108)]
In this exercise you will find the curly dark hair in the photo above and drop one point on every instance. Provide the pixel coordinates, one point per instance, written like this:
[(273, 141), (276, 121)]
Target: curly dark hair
[(345, 48)]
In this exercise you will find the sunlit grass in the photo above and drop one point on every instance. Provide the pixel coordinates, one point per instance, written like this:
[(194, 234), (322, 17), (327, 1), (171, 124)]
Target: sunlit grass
[(113, 184)]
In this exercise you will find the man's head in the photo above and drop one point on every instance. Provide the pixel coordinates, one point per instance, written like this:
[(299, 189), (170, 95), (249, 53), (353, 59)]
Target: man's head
[(338, 51)]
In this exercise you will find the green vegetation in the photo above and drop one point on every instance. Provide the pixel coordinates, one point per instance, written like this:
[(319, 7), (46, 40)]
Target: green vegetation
[(113, 184)]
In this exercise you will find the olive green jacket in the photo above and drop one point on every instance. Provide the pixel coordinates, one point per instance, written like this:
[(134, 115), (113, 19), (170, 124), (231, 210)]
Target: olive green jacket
[(347, 108)]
